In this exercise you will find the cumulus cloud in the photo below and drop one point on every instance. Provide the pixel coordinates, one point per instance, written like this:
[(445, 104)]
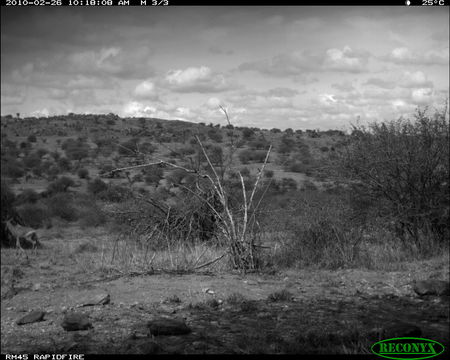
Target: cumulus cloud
[(346, 60), (213, 103), (298, 62), (41, 113), (196, 79), (146, 90), (404, 56), (112, 61), (415, 79), (422, 96)]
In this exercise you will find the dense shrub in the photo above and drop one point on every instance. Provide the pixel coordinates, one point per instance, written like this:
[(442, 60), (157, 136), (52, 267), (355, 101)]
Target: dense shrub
[(7, 200), (64, 164), (83, 173), (91, 215), (27, 196), (247, 133), (32, 160), (129, 148), (12, 168), (61, 205), (97, 186), (247, 156), (31, 138), (35, 215), (147, 148), (115, 193), (406, 164), (60, 185)]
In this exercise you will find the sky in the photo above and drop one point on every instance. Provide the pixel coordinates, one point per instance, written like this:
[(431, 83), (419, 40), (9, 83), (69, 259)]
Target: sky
[(285, 67)]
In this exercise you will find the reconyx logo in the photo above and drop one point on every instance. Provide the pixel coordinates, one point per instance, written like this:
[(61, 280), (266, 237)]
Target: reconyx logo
[(407, 348)]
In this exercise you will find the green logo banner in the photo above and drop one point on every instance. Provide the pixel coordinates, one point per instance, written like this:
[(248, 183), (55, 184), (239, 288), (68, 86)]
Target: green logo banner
[(407, 348)]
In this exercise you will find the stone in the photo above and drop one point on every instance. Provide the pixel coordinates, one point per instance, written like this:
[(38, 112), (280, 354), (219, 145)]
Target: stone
[(75, 322), (167, 326), (36, 287), (431, 287), (100, 299), (32, 317)]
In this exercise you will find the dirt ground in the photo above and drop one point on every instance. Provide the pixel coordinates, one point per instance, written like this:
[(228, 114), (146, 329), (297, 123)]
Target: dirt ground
[(340, 311)]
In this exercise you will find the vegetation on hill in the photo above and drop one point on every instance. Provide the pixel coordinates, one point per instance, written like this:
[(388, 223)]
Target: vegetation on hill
[(323, 198)]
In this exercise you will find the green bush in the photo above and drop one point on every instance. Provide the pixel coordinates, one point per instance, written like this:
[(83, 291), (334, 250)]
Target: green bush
[(34, 215), (7, 201), (406, 164), (97, 186), (246, 156), (91, 216), (32, 138), (83, 173), (27, 196), (12, 168), (60, 185), (115, 193), (61, 205)]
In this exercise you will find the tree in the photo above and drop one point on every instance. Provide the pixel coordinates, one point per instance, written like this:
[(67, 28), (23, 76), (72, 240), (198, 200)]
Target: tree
[(247, 133), (60, 185), (32, 138), (405, 164)]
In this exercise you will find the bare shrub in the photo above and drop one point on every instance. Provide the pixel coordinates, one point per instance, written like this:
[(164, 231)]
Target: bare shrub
[(405, 164)]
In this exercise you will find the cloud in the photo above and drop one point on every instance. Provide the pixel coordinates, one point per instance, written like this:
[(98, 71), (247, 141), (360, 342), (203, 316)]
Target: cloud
[(422, 96), (344, 86), (384, 84), (85, 82), (346, 60), (271, 98), (196, 79), (213, 103), (40, 113), (404, 56), (415, 79), (219, 51), (146, 90), (294, 63), (282, 91), (113, 61), (299, 62), (12, 95)]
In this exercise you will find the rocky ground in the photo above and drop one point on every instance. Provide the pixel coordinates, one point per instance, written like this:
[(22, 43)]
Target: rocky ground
[(298, 311)]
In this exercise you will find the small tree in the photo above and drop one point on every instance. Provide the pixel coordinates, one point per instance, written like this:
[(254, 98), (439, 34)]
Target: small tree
[(405, 164), (60, 185)]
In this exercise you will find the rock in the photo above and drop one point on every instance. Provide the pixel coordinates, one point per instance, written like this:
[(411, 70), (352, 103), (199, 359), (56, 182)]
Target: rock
[(76, 321), (36, 287), (166, 326), (100, 299), (431, 287), (401, 330), (32, 317)]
